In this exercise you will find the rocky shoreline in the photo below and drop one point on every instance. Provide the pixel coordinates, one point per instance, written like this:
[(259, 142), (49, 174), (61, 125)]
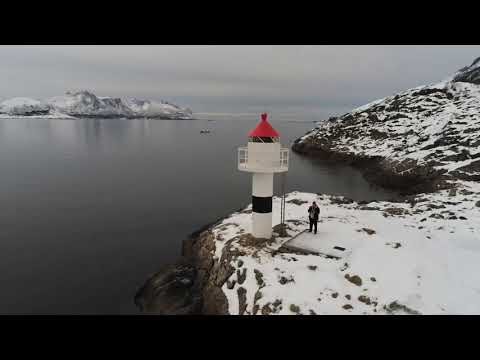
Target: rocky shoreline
[(378, 170), (192, 285)]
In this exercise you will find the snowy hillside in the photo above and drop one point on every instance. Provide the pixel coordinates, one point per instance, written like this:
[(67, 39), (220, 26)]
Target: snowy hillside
[(435, 126), (86, 104), (470, 73), (417, 257)]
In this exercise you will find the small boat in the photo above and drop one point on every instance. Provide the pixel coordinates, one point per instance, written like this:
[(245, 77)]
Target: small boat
[(204, 131)]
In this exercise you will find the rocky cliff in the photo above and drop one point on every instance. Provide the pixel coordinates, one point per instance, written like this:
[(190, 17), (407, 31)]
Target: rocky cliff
[(193, 284)]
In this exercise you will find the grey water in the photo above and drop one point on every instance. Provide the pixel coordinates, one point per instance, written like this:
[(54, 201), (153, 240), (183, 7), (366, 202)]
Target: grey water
[(89, 208)]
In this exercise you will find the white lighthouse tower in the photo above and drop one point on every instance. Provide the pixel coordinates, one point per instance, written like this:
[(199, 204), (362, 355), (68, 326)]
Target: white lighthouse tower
[(263, 157)]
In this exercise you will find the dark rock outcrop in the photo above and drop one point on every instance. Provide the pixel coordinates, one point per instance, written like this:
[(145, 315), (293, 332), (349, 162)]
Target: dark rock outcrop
[(469, 74), (171, 291), (163, 292), (378, 170), (207, 277), (355, 279)]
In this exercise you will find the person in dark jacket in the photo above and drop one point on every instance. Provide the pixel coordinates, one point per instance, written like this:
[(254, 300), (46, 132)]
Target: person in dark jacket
[(313, 212)]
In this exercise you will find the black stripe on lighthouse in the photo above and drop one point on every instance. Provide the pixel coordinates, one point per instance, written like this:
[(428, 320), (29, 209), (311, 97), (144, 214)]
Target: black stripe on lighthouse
[(262, 205)]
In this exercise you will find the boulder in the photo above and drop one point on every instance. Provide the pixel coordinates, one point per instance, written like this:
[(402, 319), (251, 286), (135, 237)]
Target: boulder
[(355, 279)]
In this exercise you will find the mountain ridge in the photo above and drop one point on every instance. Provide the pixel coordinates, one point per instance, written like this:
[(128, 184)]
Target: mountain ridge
[(84, 103)]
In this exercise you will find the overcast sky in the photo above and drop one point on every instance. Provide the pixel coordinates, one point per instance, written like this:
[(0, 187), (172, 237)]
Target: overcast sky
[(317, 80)]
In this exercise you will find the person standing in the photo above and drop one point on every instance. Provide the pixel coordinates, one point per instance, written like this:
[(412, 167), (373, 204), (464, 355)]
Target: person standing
[(313, 212)]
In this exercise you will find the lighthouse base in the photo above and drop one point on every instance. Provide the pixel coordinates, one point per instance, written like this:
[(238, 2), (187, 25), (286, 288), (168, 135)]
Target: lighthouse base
[(262, 225)]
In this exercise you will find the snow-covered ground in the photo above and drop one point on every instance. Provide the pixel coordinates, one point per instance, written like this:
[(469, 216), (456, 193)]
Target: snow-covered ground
[(421, 257)]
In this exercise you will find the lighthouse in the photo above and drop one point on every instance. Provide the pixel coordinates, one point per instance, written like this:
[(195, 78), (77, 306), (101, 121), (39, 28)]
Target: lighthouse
[(263, 157)]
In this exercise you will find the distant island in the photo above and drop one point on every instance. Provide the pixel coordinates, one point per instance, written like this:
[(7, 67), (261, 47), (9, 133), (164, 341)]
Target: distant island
[(84, 104)]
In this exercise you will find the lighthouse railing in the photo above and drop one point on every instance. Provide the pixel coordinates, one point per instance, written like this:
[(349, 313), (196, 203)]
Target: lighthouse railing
[(284, 157), (242, 157), (245, 163)]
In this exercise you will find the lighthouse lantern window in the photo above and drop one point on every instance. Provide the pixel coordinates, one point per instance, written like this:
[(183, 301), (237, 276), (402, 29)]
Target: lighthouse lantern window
[(263, 139)]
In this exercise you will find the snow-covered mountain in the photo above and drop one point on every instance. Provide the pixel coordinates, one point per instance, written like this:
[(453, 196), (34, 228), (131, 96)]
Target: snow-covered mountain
[(21, 106), (150, 108), (86, 104), (425, 133), (470, 73)]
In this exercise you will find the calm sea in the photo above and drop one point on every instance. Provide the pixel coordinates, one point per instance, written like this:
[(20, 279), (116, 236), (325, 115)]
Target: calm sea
[(89, 208)]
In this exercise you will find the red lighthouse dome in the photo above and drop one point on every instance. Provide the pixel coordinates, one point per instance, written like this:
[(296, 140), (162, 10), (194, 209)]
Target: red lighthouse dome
[(264, 129)]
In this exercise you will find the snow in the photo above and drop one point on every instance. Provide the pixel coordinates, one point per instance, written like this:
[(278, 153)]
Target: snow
[(51, 116), (367, 106), (427, 264), (20, 101), (86, 104), (151, 108), (22, 106), (468, 70), (414, 130), (326, 241)]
